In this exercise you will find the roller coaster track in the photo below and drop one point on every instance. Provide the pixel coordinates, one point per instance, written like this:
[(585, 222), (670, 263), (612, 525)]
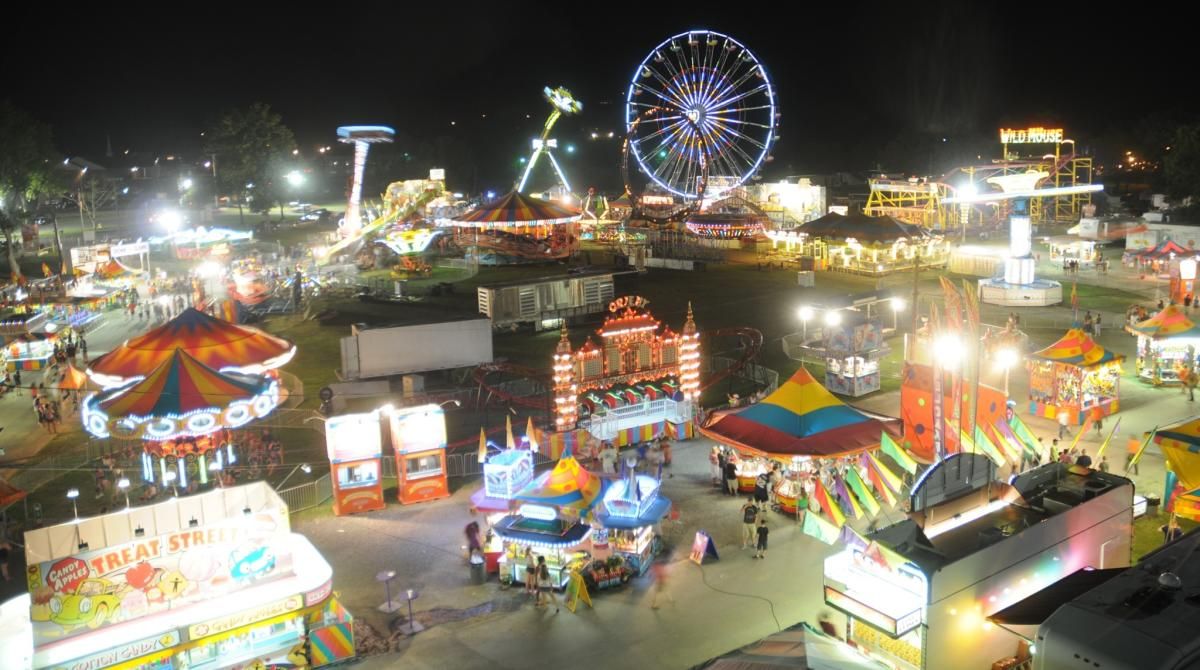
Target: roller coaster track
[(750, 341)]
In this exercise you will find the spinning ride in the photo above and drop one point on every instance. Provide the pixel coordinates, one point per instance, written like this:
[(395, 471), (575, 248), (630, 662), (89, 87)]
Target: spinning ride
[(562, 102)]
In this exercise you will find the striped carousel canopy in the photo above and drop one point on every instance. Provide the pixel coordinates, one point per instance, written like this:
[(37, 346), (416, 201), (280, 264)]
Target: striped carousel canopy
[(517, 209), (1170, 322), (569, 484), (1076, 348), (178, 386), (218, 344), (801, 418), (180, 398)]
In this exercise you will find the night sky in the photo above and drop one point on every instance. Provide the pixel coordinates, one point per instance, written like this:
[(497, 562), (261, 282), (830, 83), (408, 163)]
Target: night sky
[(859, 85)]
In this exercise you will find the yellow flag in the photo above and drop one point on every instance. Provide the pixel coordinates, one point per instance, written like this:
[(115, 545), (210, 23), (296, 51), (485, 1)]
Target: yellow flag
[(533, 445), (482, 445), (512, 444)]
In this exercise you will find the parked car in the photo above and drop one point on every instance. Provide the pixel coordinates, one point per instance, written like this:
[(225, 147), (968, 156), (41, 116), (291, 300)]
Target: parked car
[(319, 215)]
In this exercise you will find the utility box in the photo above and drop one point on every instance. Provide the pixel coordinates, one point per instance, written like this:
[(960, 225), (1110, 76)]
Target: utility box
[(806, 278)]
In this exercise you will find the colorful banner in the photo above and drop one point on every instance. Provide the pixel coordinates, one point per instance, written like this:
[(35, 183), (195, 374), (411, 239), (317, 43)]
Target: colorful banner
[(1027, 438), (94, 589), (331, 643), (849, 505), (885, 474), (815, 526), (889, 447), (859, 487), (984, 447), (1009, 454), (821, 495), (1104, 446)]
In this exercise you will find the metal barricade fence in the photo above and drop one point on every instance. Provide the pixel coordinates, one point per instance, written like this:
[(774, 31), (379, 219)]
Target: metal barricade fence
[(309, 495)]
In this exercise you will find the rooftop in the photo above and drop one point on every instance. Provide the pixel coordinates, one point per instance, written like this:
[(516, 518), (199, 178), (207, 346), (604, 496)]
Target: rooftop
[(1003, 511), (527, 281)]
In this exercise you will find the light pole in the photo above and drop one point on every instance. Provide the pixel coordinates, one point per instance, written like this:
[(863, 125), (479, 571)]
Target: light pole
[(898, 305), (806, 313), (1006, 358), (215, 468), (73, 494), (123, 484), (948, 353)]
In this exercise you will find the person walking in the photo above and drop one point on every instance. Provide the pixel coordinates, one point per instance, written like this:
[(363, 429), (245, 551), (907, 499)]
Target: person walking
[(731, 478), (1104, 467), (1098, 419), (1096, 325), (608, 459), (761, 531), (545, 586), (1132, 446), (714, 464), (1062, 425), (750, 515), (531, 570), (659, 570)]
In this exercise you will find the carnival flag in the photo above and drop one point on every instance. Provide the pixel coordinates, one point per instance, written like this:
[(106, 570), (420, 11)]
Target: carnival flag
[(533, 445), (885, 474), (984, 446), (859, 487), (825, 500), (815, 526), (850, 537), (1170, 488), (881, 489), (1146, 443), (1075, 300), (45, 270), (1018, 429), (1007, 442), (482, 446), (1103, 446), (512, 443), (851, 505), (889, 447)]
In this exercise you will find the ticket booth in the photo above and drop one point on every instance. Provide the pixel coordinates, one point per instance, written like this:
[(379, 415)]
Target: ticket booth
[(419, 440), (355, 446)]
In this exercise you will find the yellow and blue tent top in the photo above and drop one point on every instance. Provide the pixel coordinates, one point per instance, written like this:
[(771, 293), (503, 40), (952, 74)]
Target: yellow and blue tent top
[(1180, 444), (1078, 349), (801, 418), (569, 484)]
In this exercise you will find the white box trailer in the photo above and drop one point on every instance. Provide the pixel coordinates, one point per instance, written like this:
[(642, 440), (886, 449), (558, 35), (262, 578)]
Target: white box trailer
[(394, 350), (544, 301)]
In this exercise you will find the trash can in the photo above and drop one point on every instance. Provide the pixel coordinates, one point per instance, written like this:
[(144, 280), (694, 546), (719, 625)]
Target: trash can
[(1152, 503), (478, 575)]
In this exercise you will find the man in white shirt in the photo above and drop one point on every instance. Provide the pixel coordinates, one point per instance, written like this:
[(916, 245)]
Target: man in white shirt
[(608, 459)]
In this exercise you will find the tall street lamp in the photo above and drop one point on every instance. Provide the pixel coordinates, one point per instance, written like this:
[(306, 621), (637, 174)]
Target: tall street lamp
[(1006, 358)]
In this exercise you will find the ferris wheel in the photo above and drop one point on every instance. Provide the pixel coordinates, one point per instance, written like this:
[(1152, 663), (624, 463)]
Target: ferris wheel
[(700, 107)]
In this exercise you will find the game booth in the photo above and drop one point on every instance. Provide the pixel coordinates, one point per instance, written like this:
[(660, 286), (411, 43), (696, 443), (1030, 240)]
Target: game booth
[(627, 521), (549, 522), (218, 344), (184, 413), (419, 439), (800, 425), (916, 409), (215, 580), (505, 474), (1167, 345), (641, 382), (1074, 375), (354, 443), (29, 351)]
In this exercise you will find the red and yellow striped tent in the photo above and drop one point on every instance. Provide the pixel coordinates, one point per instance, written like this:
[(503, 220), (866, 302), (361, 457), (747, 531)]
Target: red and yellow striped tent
[(1078, 349), (1170, 322), (218, 344), (569, 484), (517, 209), (178, 386)]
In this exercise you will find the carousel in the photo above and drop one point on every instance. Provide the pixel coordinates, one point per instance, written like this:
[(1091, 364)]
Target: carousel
[(217, 344), (518, 228), (180, 411), (1075, 375), (1167, 346)]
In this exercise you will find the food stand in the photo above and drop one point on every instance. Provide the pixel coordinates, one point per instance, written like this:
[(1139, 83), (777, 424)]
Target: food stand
[(29, 351), (548, 522), (354, 443), (631, 509), (1074, 375), (748, 470), (504, 475), (1167, 344), (1069, 249), (852, 352), (419, 440), (215, 580)]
